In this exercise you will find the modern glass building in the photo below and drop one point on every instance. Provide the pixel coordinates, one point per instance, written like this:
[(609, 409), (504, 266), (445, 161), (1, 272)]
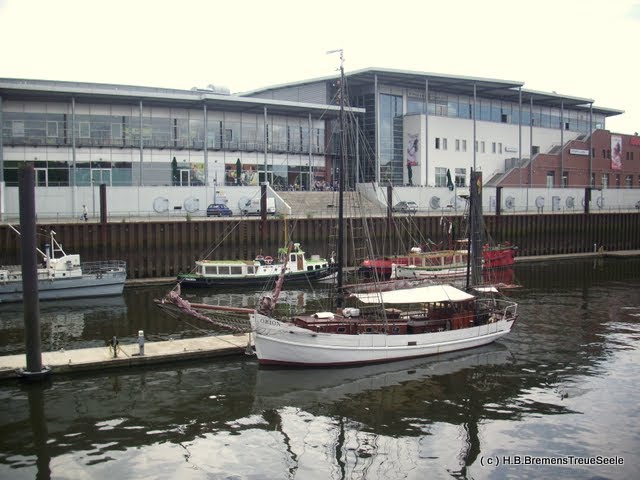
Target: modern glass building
[(81, 134), (417, 126)]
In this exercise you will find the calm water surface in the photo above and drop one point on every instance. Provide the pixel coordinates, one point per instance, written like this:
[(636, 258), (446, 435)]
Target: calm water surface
[(562, 387)]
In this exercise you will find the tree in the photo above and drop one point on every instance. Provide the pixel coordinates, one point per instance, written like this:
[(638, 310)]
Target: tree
[(174, 171)]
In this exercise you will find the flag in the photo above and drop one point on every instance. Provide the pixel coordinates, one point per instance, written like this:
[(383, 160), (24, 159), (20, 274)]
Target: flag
[(449, 182)]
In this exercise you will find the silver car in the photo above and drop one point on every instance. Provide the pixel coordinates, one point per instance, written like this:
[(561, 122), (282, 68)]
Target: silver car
[(405, 207)]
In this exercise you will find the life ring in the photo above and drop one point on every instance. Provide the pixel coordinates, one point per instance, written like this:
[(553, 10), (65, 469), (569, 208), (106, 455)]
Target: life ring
[(268, 260), (259, 258)]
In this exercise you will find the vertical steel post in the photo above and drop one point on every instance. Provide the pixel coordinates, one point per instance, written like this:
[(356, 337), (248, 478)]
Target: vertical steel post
[(30, 269)]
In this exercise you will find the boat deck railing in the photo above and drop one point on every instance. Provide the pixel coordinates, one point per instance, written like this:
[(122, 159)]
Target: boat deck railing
[(505, 308), (104, 266)]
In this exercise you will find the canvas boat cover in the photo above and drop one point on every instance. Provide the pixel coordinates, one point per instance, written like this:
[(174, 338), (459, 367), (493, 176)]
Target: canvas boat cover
[(430, 293)]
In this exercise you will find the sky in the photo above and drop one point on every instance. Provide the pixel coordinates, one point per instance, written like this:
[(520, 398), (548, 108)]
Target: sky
[(581, 48)]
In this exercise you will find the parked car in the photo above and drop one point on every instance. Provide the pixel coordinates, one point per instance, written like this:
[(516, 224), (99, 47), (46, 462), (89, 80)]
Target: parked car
[(405, 207), (218, 210)]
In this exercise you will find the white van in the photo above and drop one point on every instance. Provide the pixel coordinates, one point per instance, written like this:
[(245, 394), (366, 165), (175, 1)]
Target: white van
[(252, 207)]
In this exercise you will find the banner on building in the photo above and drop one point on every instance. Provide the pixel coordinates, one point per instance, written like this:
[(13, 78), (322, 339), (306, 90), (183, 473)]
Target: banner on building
[(412, 150), (616, 152)]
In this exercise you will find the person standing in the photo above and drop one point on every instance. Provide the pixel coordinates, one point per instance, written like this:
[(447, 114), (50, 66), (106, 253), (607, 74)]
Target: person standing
[(85, 213)]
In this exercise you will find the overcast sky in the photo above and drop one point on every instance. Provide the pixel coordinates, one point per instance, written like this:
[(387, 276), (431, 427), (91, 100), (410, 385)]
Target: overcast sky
[(582, 48)]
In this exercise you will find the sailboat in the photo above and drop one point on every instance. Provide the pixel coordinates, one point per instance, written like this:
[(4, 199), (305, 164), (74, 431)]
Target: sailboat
[(378, 326), (430, 261)]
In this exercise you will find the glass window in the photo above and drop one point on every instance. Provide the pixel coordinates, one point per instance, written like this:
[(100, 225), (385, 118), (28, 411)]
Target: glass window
[(444, 143), (85, 131), (279, 138), (452, 106), (496, 111), (605, 181), (52, 129), (464, 145), (17, 128), (391, 139), (460, 177), (116, 133), (464, 108), (415, 105), (484, 112), (505, 113), (441, 177), (58, 174), (515, 114), (457, 144), (196, 132), (550, 179)]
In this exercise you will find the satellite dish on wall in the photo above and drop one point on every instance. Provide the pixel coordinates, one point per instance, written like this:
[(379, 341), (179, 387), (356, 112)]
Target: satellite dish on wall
[(510, 203), (160, 205), (570, 202), (192, 204), (434, 202), (540, 202)]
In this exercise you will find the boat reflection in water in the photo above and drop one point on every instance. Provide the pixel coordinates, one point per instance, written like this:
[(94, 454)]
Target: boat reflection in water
[(64, 324), (303, 388), (295, 299)]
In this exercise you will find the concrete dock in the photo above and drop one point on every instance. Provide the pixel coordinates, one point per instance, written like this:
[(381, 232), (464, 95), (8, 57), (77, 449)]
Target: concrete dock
[(102, 358)]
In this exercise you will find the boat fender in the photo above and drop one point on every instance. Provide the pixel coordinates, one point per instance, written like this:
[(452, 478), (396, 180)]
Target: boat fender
[(351, 312), (325, 315), (268, 260)]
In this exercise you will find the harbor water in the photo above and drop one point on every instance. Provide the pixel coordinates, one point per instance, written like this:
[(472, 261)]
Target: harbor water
[(556, 398)]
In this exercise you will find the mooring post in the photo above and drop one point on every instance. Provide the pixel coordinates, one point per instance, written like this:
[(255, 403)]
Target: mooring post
[(30, 297), (114, 345), (141, 342)]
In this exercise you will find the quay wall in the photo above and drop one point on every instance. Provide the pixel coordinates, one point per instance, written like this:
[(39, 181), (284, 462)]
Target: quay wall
[(165, 248)]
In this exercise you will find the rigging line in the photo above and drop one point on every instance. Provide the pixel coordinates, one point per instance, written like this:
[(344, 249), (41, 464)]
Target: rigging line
[(218, 323), (179, 318)]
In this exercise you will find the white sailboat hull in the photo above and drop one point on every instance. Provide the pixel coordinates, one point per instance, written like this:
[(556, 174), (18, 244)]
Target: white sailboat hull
[(279, 343)]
